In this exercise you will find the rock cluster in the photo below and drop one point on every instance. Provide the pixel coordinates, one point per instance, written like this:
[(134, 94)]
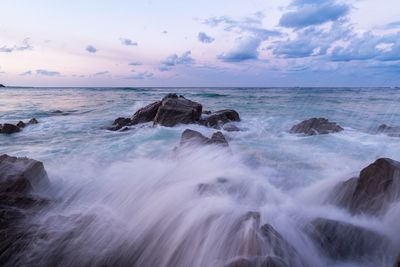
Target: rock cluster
[(8, 128), (315, 126), (173, 110)]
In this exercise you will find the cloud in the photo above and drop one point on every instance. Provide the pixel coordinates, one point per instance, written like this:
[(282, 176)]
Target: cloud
[(25, 45), (135, 63), (174, 59), (308, 14), (91, 49), (26, 73), (244, 49), (164, 32), (204, 38), (369, 47), (47, 72), (140, 75), (248, 25), (101, 73), (128, 42), (393, 25)]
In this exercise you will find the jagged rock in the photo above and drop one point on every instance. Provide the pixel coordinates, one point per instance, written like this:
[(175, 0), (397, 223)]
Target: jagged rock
[(21, 174), (21, 124), (344, 241), (219, 118), (315, 126), (389, 130), (33, 121), (177, 110), (191, 136), (377, 186), (119, 123), (146, 114), (8, 128)]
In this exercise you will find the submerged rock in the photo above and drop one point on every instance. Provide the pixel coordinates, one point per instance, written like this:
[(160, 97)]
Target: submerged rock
[(219, 118), (377, 186), (177, 110), (389, 130), (315, 126), (21, 124), (8, 128), (231, 128), (344, 241), (191, 136), (33, 121)]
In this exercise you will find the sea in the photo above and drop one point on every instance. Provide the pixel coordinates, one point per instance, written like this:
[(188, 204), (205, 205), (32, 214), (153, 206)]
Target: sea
[(141, 194)]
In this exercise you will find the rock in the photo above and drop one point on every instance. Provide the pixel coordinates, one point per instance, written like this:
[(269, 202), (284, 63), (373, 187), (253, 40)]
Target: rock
[(21, 174), (21, 124), (191, 136), (177, 110), (33, 121), (219, 118), (146, 114), (389, 130), (315, 126), (377, 186), (344, 241), (119, 123), (207, 112), (7, 128), (1, 85), (231, 128)]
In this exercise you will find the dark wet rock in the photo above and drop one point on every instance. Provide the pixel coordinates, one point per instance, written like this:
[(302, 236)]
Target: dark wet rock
[(191, 136), (20, 179), (344, 241), (231, 128), (315, 126), (377, 186), (219, 118), (177, 110), (33, 121), (8, 128), (21, 174), (146, 114), (389, 130), (21, 124), (207, 112), (269, 261), (1, 85)]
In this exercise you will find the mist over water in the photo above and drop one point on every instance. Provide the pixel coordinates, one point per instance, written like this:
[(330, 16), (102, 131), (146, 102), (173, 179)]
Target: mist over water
[(128, 198)]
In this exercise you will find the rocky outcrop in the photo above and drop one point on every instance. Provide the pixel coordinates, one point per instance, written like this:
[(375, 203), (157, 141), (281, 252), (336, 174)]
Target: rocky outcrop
[(389, 130), (377, 186), (9, 128), (315, 126), (20, 180), (344, 241), (194, 137), (177, 110), (173, 110), (219, 118)]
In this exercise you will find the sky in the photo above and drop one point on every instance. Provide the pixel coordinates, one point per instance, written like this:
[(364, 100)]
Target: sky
[(200, 43)]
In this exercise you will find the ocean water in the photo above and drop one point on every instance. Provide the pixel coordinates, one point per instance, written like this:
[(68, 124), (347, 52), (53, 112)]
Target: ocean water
[(133, 192)]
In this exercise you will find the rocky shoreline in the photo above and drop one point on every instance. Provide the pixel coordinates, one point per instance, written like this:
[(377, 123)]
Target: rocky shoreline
[(370, 194)]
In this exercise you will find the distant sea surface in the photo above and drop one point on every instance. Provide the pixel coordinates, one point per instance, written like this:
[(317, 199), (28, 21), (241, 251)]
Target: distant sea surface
[(82, 156)]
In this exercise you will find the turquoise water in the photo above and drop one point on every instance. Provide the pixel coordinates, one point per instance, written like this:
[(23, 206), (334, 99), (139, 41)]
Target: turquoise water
[(127, 174)]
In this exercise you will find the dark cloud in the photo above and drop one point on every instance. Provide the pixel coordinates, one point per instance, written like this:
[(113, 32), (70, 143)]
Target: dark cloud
[(25, 45), (128, 42), (244, 49), (204, 38), (101, 73), (174, 59), (316, 13), (91, 49), (135, 63), (47, 72)]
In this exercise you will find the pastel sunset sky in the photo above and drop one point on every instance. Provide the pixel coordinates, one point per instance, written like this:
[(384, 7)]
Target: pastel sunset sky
[(200, 43)]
